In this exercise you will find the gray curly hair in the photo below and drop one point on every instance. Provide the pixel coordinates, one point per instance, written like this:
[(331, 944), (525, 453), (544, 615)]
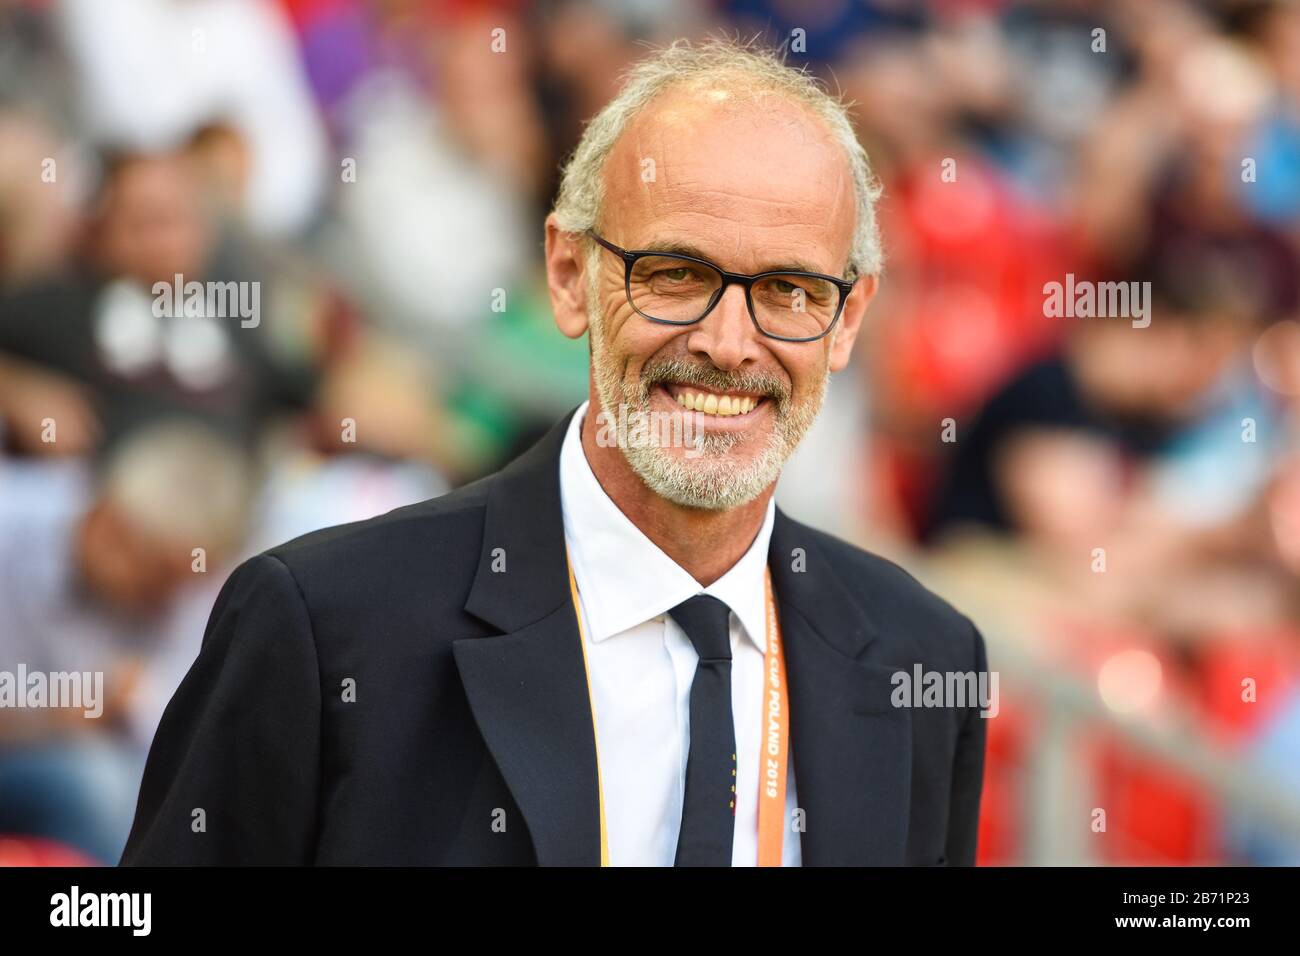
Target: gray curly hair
[(736, 66)]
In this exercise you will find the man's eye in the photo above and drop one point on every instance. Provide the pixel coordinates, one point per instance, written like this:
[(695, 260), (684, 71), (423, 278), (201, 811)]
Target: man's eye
[(676, 275), (785, 287)]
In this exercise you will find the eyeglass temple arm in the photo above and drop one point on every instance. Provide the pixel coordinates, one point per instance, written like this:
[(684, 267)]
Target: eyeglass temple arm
[(617, 250)]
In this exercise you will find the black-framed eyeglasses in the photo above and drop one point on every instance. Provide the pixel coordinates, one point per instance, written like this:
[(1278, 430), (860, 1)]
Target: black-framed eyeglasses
[(673, 289)]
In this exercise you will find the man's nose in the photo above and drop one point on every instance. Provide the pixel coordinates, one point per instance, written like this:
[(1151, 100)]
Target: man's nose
[(727, 335)]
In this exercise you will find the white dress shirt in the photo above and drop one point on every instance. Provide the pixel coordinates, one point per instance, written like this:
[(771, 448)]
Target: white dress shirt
[(641, 665)]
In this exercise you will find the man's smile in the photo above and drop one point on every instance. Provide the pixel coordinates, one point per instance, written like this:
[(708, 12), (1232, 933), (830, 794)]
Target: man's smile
[(715, 409)]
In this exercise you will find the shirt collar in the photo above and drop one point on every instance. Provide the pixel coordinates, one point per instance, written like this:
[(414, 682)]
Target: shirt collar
[(623, 576)]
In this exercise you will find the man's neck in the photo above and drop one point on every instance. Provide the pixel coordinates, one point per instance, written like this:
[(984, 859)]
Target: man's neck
[(705, 543)]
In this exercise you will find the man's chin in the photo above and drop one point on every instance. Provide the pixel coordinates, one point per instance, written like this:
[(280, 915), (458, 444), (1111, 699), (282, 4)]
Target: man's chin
[(714, 480)]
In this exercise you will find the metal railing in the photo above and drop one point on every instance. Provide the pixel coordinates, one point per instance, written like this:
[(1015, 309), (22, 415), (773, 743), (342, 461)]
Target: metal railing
[(1057, 789)]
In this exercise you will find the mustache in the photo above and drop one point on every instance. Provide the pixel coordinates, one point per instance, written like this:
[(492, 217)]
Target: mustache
[(680, 372)]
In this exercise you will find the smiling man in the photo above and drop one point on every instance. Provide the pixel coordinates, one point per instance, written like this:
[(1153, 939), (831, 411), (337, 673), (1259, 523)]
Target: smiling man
[(616, 650)]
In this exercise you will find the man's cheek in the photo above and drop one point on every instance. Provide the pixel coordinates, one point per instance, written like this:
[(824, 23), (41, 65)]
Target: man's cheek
[(618, 314)]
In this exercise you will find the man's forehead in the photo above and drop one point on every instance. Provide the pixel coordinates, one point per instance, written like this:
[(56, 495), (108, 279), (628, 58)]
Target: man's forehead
[(709, 156)]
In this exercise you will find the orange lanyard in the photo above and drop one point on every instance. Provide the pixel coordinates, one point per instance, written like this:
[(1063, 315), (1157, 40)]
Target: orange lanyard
[(776, 739), (773, 752)]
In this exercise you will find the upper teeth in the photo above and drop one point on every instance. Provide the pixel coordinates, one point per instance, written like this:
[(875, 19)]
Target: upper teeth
[(712, 404)]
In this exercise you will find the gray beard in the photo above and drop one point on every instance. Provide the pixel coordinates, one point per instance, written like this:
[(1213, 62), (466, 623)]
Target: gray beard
[(710, 479)]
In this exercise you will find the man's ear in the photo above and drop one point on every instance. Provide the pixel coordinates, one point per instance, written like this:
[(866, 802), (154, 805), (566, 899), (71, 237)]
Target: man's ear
[(566, 278), (855, 310)]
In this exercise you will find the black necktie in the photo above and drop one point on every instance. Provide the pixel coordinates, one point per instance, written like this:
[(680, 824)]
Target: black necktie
[(709, 803)]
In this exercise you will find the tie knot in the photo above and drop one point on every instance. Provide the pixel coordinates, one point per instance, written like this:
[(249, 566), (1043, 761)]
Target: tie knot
[(704, 619)]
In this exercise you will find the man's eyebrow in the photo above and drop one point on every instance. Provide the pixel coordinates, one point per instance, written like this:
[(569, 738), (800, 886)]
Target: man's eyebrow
[(673, 247)]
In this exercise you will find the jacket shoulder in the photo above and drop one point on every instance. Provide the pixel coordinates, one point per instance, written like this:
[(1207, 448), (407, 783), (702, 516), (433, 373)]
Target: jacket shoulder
[(416, 535), (905, 610)]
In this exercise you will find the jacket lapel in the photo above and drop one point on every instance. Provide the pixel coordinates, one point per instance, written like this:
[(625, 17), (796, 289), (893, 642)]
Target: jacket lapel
[(852, 748), (527, 687)]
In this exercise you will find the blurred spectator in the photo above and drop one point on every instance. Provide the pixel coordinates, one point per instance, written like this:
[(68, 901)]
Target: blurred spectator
[(38, 200), (102, 573), (439, 187), (96, 330), (1137, 393), (151, 72)]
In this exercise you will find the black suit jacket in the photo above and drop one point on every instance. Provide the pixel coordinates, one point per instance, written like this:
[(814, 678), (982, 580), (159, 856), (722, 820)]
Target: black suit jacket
[(467, 737)]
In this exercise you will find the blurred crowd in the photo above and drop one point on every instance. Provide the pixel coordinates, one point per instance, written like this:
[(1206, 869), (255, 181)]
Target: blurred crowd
[(378, 172)]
